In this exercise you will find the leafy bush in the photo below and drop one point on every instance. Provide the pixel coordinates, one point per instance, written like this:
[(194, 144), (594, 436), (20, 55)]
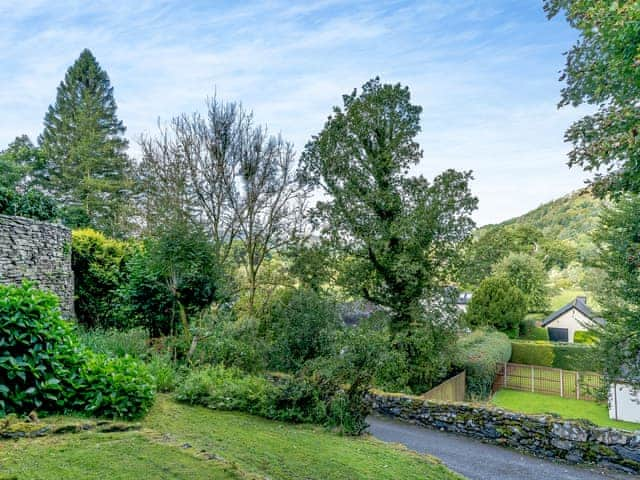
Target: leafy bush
[(44, 367), (529, 331), (528, 274), (480, 354), (117, 343), (98, 269), (40, 357), (301, 326), (164, 372), (533, 353), (568, 356), (228, 389), (120, 387), (232, 343), (31, 204), (499, 304), (587, 337), (175, 275), (571, 356)]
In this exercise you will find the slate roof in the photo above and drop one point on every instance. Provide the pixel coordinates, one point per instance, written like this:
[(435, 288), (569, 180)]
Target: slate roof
[(580, 304)]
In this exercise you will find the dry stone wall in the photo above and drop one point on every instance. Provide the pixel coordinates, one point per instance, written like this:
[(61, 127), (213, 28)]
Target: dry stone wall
[(539, 435), (40, 252)]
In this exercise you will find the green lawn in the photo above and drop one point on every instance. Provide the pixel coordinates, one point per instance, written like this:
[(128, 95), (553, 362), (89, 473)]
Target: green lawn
[(526, 402), (182, 442)]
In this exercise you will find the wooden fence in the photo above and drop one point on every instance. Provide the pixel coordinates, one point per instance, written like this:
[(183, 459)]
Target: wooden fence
[(451, 390), (551, 381)]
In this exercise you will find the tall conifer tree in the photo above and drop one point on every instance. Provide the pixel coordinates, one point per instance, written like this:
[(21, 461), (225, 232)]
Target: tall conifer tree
[(87, 166)]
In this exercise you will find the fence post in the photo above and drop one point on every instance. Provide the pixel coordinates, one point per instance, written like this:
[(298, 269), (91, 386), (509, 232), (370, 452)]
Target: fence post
[(505, 375), (533, 382), (577, 385), (561, 383)]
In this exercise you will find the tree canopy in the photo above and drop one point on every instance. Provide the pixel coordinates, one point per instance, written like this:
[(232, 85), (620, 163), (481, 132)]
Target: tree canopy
[(603, 70), (87, 169)]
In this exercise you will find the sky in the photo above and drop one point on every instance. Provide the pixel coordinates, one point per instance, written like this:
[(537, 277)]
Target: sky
[(485, 72)]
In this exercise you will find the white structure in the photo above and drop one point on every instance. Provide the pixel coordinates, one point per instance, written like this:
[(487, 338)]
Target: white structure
[(624, 403), (573, 317)]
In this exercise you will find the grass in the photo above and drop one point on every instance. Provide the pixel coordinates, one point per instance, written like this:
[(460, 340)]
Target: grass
[(537, 403), (183, 442)]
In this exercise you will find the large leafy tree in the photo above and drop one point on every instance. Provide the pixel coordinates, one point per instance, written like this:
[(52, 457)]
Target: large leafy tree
[(527, 273), (603, 70), (87, 167), (400, 234), (499, 304), (618, 242)]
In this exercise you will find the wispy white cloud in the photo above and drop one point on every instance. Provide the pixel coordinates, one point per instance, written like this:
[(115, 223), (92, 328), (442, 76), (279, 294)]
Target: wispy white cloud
[(484, 70)]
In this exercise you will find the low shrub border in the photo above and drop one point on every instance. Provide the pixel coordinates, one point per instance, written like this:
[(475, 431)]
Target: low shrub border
[(538, 435), (567, 356)]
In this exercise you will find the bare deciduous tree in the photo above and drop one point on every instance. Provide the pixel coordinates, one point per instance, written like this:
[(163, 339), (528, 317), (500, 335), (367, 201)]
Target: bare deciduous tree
[(230, 175)]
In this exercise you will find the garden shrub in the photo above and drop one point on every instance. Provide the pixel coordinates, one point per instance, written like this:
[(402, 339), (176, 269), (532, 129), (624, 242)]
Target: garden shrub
[(40, 357), (232, 343), (571, 356), (301, 325), (117, 343), (44, 367), (529, 331), (499, 304), (118, 387), (480, 354), (163, 370), (585, 337), (98, 270), (533, 353)]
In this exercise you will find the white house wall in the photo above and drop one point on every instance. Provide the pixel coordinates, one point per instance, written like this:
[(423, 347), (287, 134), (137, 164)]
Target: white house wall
[(573, 321), (624, 403)]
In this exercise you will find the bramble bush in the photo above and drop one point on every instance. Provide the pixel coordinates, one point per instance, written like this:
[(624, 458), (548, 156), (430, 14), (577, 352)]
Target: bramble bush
[(480, 354), (44, 367)]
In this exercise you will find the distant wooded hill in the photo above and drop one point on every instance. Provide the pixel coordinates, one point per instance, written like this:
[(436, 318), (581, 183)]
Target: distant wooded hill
[(568, 218)]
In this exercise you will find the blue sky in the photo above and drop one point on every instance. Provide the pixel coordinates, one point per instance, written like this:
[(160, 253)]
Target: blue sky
[(485, 72)]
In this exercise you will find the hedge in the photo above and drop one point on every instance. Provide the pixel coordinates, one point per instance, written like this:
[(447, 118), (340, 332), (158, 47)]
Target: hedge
[(529, 331), (568, 356), (585, 337), (480, 354)]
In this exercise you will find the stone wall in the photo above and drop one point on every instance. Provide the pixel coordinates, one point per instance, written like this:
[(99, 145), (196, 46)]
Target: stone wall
[(37, 251), (540, 435)]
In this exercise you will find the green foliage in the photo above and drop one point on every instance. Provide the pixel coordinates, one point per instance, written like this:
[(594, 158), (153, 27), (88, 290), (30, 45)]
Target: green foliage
[(571, 356), (31, 204), (602, 70), (163, 370), (401, 234), (175, 275), (84, 147), (529, 276), (117, 343), (533, 353), (98, 266), (44, 367), (497, 303), (529, 331), (231, 343), (587, 337), (301, 326), (619, 293), (312, 265), (41, 357), (480, 354), (119, 387)]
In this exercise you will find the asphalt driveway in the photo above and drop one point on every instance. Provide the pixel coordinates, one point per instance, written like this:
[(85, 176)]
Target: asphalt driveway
[(480, 461)]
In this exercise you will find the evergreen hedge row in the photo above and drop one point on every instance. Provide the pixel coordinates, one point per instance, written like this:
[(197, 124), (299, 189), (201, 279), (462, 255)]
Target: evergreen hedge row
[(568, 356)]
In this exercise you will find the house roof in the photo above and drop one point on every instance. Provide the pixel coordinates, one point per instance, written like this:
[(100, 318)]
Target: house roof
[(580, 304)]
